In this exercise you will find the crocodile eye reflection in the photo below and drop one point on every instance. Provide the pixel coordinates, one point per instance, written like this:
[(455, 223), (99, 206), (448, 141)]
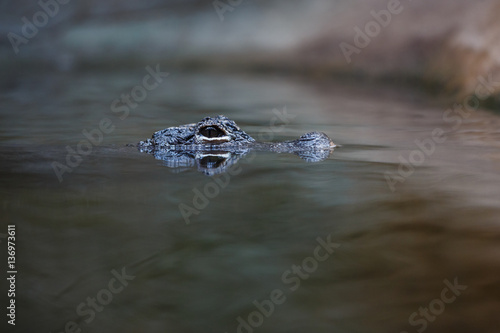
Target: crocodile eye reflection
[(212, 162), (212, 132)]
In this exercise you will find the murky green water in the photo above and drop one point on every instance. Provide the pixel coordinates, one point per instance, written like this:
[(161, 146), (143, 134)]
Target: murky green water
[(117, 212)]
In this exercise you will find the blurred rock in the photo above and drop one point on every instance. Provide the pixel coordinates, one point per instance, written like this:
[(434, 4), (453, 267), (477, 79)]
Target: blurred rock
[(448, 43)]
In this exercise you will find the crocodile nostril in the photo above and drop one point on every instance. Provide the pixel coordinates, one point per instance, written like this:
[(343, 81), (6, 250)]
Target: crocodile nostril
[(212, 132)]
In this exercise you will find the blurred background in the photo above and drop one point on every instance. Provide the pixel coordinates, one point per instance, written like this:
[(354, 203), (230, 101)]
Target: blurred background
[(410, 208), (444, 45)]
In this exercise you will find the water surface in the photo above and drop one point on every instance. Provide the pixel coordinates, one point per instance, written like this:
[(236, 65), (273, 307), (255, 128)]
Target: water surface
[(119, 209)]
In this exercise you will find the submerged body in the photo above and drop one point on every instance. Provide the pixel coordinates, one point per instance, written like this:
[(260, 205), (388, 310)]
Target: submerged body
[(220, 138)]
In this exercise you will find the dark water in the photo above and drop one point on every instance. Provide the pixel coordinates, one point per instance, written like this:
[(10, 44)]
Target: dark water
[(117, 212)]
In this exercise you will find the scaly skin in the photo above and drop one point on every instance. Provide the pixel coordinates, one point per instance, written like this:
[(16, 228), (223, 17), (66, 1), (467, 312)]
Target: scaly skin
[(220, 138)]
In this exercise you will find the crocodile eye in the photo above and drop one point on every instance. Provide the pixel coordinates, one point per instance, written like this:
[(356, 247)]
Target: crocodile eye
[(211, 132)]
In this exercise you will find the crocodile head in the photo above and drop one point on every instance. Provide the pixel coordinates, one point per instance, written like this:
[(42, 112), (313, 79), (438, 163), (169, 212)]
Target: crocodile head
[(216, 131), (214, 143), (219, 130)]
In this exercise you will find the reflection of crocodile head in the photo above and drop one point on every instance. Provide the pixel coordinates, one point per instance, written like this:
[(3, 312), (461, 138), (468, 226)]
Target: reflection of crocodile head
[(214, 144), (209, 162)]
